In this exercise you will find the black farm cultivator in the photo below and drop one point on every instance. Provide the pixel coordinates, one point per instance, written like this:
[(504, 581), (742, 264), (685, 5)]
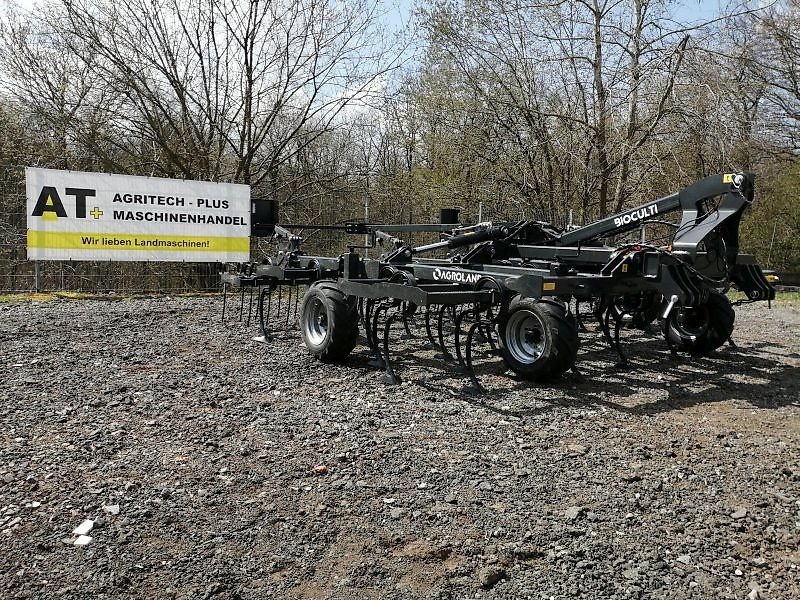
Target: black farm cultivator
[(522, 288)]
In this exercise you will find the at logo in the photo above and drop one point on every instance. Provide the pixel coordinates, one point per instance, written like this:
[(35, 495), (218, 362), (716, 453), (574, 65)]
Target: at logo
[(49, 205)]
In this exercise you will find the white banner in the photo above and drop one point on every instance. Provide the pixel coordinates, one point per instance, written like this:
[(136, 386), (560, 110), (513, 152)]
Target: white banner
[(95, 216)]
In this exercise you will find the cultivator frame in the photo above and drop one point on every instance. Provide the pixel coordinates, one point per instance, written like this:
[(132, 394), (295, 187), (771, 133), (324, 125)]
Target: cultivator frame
[(519, 286)]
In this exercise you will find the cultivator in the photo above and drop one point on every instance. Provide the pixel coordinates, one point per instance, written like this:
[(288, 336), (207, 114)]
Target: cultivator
[(522, 288)]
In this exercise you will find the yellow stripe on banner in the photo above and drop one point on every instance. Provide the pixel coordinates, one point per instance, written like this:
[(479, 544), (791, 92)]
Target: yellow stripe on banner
[(132, 242)]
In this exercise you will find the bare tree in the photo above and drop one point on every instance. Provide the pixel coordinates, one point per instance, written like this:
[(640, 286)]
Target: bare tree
[(216, 89), (580, 88)]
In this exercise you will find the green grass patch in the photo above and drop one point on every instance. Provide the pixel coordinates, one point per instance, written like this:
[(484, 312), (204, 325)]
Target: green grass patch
[(779, 297)]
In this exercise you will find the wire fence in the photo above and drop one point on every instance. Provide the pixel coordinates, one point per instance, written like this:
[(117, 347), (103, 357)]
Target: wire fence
[(18, 274)]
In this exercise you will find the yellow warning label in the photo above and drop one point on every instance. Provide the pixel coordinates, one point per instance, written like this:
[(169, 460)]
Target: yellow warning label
[(134, 241), (549, 286), (727, 178)]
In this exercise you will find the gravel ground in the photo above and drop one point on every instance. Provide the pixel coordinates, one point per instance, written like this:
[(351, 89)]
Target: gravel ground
[(213, 466)]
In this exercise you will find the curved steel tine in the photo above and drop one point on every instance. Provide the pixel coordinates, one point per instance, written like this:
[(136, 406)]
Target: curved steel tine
[(623, 360), (606, 329), (278, 308), (404, 315), (440, 330), (390, 376), (289, 306), (250, 307), (475, 385), (370, 303), (428, 330), (296, 303), (263, 293), (489, 333), (269, 302), (377, 361), (241, 303), (457, 334)]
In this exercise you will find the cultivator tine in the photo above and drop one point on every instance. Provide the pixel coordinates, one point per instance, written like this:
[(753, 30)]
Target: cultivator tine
[(603, 312), (623, 360), (250, 307), (296, 303), (377, 361), (440, 331), (278, 308), (428, 330), (366, 317), (241, 303), (457, 335), (289, 306), (404, 314), (390, 377), (600, 315), (263, 293), (474, 384)]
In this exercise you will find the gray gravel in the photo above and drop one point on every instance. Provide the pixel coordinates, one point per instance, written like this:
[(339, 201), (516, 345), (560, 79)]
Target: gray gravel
[(212, 466)]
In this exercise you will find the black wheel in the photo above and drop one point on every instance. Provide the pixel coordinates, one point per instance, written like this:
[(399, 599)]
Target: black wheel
[(329, 322), (538, 338), (701, 329)]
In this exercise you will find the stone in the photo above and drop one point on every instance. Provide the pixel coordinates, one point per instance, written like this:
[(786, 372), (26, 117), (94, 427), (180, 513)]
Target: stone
[(685, 559), (82, 540), (320, 469), (573, 512), (489, 576), (630, 574), (739, 513), (83, 528), (396, 513), (111, 509), (576, 449)]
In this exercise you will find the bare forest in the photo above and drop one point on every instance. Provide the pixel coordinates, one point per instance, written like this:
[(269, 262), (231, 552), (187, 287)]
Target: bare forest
[(562, 111)]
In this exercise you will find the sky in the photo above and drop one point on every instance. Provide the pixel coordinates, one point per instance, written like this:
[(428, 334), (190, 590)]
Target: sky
[(688, 11), (399, 11)]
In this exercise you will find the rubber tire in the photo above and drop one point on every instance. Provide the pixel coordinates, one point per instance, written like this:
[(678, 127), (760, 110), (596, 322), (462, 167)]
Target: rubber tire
[(341, 335), (560, 341), (719, 326)]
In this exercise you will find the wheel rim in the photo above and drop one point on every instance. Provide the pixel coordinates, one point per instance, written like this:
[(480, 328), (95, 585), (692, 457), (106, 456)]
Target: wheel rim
[(525, 336), (692, 322), (316, 322)]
